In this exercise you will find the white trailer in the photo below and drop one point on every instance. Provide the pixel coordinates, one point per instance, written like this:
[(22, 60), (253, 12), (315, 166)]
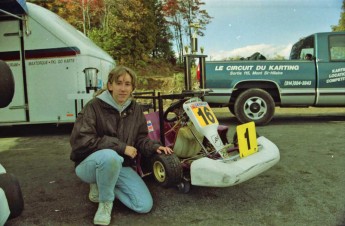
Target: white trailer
[(55, 67)]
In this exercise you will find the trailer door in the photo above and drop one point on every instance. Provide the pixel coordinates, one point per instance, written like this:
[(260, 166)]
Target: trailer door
[(11, 53)]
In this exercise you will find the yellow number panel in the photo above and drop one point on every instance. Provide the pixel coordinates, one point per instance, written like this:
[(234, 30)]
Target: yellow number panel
[(204, 115), (246, 135)]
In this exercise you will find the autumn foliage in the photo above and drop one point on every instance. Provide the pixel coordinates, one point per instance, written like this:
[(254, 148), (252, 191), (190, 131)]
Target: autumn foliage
[(134, 32)]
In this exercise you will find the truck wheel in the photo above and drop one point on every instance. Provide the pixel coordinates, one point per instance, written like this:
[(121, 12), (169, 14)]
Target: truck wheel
[(10, 185), (6, 85), (167, 169), (254, 105)]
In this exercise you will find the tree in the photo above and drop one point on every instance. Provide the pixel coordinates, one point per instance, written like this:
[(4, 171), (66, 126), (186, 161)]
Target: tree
[(341, 25), (131, 31), (82, 14), (171, 10), (163, 45), (194, 14), (181, 14), (135, 30)]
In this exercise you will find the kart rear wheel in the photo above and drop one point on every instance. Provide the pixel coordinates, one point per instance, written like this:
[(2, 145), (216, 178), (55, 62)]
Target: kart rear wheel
[(167, 169), (11, 187)]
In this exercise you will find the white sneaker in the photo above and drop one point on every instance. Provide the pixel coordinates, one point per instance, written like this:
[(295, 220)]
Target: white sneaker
[(93, 194), (103, 214)]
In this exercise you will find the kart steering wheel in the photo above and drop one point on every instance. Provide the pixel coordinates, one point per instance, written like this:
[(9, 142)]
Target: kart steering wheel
[(171, 109)]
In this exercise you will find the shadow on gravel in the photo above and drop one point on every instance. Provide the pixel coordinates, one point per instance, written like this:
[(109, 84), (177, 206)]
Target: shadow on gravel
[(35, 130), (223, 118), (285, 119), (298, 119)]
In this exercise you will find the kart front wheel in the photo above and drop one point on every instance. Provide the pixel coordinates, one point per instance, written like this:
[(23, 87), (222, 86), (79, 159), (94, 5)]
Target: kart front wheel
[(184, 186), (167, 169)]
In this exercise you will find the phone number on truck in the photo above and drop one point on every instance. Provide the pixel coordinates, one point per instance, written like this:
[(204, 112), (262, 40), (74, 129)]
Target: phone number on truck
[(297, 83)]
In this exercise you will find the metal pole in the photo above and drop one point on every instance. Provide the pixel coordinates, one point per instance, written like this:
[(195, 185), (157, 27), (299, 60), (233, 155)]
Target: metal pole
[(161, 120), (187, 79), (202, 72)]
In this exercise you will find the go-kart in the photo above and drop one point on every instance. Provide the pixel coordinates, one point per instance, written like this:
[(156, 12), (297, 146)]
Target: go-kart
[(202, 154)]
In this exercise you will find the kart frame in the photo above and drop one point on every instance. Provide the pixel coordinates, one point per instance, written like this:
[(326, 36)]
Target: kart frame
[(168, 170), (161, 162)]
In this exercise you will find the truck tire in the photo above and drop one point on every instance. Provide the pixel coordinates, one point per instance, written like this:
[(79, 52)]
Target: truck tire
[(11, 187), (167, 169), (6, 85), (254, 105), (232, 109)]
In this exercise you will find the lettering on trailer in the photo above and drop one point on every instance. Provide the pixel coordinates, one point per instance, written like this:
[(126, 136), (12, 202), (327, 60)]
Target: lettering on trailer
[(13, 64), (51, 61), (43, 62), (41, 56), (257, 70)]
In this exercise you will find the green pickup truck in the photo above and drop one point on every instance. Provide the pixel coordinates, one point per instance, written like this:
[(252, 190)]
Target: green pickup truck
[(251, 89)]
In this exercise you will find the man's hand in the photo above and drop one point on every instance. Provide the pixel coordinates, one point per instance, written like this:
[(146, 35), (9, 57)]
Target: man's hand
[(166, 150), (131, 151)]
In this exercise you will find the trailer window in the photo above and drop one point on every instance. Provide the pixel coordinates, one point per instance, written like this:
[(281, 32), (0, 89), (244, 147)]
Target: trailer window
[(337, 47)]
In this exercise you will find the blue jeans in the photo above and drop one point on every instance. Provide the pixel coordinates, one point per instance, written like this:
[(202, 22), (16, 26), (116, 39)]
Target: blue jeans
[(104, 167)]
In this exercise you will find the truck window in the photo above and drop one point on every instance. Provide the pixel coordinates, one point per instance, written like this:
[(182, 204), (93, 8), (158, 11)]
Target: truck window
[(337, 47), (302, 47)]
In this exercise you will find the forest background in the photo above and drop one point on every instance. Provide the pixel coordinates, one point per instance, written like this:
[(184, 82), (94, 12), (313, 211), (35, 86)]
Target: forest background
[(142, 34)]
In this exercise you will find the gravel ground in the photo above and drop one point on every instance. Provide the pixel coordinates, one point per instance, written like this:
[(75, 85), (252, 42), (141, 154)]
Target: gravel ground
[(305, 188)]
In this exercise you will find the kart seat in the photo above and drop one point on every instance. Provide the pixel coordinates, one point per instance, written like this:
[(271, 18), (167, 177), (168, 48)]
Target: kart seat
[(152, 120)]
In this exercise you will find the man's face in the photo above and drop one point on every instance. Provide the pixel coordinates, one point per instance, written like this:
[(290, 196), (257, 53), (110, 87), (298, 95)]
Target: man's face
[(121, 89)]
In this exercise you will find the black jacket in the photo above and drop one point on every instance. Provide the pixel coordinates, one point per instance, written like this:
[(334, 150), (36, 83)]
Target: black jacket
[(100, 126)]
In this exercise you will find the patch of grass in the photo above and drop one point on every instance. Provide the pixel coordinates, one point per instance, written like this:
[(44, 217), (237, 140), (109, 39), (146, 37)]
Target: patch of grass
[(162, 77)]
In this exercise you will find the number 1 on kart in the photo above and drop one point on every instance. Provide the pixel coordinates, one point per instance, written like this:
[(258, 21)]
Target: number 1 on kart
[(246, 135)]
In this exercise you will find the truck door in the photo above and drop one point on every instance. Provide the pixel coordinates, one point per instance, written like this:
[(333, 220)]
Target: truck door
[(11, 53), (331, 70)]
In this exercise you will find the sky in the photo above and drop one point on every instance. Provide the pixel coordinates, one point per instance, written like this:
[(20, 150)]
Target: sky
[(271, 27)]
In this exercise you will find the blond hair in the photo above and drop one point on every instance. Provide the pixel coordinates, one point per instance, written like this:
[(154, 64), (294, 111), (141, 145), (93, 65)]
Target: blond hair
[(114, 76)]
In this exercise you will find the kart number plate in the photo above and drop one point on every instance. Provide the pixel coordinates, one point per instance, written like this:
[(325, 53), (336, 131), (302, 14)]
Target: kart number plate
[(246, 135), (203, 114)]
